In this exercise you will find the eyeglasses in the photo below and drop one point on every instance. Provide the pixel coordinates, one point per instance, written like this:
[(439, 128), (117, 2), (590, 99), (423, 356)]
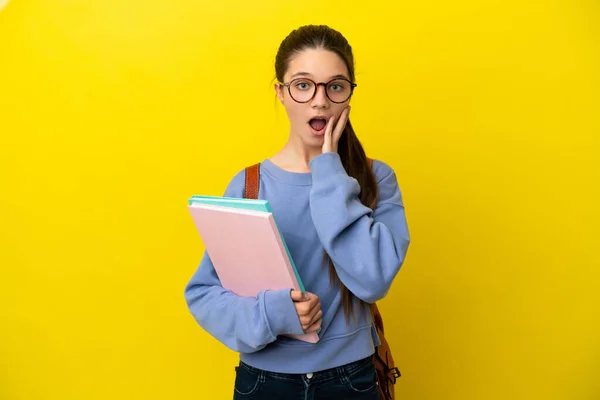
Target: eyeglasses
[(303, 90)]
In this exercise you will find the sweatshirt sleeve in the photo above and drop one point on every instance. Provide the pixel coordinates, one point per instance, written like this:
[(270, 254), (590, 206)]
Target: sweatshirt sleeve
[(244, 324), (367, 247)]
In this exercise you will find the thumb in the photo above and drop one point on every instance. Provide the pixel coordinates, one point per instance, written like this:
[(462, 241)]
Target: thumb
[(297, 295)]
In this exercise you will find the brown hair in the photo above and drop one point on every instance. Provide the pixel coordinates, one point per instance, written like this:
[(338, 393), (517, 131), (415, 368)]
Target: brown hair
[(350, 150)]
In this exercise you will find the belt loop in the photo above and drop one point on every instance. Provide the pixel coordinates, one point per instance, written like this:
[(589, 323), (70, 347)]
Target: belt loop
[(262, 376), (342, 374)]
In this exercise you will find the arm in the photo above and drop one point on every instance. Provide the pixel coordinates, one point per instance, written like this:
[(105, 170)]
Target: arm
[(244, 324), (367, 247)]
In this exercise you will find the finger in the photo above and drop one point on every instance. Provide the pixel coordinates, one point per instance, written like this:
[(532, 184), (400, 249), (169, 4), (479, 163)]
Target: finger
[(306, 322), (329, 129), (314, 309), (308, 305), (314, 327), (297, 295), (310, 318), (317, 316), (307, 310), (339, 128)]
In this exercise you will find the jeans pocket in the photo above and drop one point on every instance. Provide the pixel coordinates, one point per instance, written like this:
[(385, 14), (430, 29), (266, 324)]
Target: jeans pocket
[(363, 379), (247, 381)]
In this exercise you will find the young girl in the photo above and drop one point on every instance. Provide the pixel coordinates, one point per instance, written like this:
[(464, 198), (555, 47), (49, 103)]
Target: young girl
[(345, 226)]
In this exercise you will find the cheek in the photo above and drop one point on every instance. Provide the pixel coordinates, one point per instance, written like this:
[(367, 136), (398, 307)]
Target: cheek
[(339, 108), (295, 112)]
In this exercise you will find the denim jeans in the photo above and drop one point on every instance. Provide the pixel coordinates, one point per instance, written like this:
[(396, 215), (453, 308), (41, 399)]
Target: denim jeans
[(357, 380)]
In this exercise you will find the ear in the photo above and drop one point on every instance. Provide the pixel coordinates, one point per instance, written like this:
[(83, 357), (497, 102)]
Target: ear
[(279, 92)]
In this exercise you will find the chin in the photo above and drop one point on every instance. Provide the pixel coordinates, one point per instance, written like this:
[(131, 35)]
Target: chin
[(308, 139), (314, 140)]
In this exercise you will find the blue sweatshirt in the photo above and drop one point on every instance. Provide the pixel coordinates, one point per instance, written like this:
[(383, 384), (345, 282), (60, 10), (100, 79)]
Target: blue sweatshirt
[(316, 211)]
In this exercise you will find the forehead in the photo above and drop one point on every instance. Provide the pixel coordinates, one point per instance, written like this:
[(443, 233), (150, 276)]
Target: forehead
[(318, 64)]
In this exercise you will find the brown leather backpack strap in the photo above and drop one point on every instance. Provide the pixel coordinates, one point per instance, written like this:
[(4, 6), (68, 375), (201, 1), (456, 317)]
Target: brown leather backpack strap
[(370, 161), (252, 181)]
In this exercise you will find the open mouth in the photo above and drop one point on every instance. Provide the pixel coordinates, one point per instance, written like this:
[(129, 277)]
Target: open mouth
[(318, 124)]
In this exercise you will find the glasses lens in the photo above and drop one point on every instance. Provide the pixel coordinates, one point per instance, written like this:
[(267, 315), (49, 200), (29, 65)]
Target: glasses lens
[(339, 90), (302, 90)]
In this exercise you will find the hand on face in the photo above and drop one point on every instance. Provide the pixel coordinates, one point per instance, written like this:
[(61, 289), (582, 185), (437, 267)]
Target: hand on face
[(334, 130)]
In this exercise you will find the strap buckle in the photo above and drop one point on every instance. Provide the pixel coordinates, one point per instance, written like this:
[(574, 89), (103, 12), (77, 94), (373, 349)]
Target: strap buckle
[(395, 373)]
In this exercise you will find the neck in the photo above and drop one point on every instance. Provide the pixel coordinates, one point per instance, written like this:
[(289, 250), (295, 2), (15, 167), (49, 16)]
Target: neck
[(295, 155)]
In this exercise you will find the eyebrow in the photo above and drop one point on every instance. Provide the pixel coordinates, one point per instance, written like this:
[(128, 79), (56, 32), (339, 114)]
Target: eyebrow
[(297, 74)]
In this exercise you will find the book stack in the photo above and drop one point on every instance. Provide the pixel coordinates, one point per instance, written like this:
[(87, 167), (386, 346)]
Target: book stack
[(246, 247)]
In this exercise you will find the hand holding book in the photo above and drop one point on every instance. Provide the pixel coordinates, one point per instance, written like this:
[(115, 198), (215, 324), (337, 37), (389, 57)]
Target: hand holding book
[(308, 307)]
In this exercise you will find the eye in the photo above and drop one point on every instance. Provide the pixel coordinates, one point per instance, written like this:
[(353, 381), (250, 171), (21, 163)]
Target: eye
[(303, 85), (337, 86)]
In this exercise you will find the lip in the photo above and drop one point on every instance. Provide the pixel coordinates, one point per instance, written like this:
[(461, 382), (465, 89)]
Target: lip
[(325, 117), (322, 131)]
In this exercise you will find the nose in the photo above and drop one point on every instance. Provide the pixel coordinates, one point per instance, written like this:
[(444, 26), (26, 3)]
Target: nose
[(320, 99)]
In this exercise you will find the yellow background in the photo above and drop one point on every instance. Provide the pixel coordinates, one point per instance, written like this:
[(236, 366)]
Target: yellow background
[(113, 112)]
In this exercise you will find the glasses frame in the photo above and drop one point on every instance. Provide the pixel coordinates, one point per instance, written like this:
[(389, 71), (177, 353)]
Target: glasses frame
[(317, 84)]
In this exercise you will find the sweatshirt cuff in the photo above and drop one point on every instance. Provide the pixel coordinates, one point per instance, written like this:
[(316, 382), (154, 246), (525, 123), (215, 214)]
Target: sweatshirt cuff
[(281, 313), (327, 164)]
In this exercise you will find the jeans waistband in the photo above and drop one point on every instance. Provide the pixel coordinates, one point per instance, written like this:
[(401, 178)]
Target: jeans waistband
[(317, 375)]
